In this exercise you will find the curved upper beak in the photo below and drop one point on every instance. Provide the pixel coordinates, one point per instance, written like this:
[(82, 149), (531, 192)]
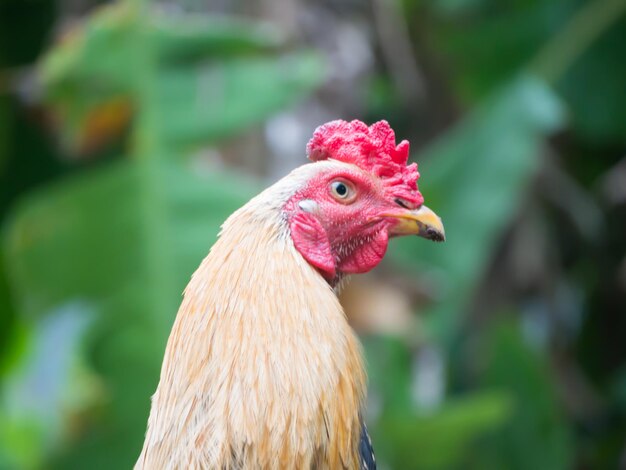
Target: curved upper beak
[(421, 222)]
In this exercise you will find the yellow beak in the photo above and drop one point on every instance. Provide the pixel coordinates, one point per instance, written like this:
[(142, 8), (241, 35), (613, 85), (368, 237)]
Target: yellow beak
[(421, 222)]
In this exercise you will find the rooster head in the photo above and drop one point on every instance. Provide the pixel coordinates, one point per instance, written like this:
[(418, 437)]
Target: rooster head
[(361, 193)]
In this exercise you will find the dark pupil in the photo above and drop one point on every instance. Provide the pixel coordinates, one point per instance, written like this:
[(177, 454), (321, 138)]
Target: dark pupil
[(341, 189)]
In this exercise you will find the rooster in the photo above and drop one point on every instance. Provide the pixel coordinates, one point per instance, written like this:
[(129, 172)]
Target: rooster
[(262, 370)]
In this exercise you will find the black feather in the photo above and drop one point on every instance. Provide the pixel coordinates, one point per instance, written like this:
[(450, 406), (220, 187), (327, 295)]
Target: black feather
[(366, 451)]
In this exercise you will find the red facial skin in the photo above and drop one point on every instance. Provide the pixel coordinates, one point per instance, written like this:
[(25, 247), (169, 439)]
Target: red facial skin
[(342, 236)]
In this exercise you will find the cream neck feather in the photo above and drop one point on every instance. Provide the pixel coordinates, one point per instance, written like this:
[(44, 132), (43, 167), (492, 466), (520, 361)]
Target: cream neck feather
[(261, 369)]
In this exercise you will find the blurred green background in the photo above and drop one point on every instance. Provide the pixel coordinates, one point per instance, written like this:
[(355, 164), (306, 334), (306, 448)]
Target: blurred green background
[(129, 131)]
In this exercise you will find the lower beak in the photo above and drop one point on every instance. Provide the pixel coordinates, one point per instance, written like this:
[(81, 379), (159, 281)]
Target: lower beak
[(421, 222)]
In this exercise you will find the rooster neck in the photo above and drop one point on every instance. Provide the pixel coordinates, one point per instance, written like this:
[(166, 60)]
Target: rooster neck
[(261, 368)]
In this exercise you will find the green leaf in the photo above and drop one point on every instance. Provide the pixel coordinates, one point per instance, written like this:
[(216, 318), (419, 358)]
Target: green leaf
[(101, 47), (192, 37), (97, 48), (389, 371), (475, 178), (538, 421), (573, 43), (600, 115), (98, 239), (8, 333), (214, 77), (488, 43), (442, 439), (5, 132), (221, 98)]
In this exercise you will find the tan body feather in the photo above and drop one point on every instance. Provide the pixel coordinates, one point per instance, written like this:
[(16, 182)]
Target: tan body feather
[(261, 369)]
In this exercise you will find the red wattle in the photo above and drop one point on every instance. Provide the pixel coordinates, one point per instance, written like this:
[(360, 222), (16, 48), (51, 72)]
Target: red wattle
[(365, 257)]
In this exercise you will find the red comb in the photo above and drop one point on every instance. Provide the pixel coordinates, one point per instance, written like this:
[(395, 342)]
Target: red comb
[(371, 148)]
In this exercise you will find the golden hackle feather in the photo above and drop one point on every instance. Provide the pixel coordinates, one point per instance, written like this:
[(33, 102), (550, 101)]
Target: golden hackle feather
[(261, 369)]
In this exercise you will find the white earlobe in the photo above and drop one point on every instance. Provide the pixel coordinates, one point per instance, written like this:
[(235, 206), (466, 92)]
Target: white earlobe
[(308, 205)]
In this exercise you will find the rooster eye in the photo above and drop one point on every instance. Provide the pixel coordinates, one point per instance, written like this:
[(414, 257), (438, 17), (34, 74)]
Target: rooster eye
[(342, 191)]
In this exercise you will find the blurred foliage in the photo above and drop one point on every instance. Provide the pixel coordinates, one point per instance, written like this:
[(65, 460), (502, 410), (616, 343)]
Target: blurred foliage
[(197, 60), (506, 132), (538, 421), (96, 248), (443, 439), (93, 238), (120, 241), (472, 31)]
